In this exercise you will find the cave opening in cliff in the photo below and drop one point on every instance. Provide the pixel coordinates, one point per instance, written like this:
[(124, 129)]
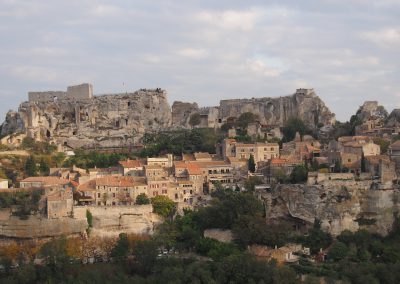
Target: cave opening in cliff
[(48, 134)]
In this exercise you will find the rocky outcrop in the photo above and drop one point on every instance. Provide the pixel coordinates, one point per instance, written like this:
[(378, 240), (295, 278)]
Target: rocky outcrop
[(102, 121), (38, 227), (76, 118), (347, 206), (12, 124), (371, 110), (181, 112), (394, 118), (304, 104), (111, 221)]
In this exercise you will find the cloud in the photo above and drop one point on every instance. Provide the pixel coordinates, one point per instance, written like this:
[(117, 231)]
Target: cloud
[(208, 50), (193, 53), (384, 37)]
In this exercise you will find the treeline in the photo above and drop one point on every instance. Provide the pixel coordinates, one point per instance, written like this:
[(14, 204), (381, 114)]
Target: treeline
[(181, 141)]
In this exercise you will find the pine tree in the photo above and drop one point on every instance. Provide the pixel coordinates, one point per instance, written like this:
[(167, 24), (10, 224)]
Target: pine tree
[(363, 167), (252, 164), (30, 166)]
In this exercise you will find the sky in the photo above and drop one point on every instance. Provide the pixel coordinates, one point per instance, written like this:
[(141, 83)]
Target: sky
[(204, 51)]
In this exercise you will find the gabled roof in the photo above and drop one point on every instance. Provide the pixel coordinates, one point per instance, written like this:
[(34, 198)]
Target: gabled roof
[(47, 180), (130, 163)]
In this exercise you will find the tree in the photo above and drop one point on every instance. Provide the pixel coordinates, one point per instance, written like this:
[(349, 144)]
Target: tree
[(30, 166), (299, 174), (59, 158), (163, 206), (121, 248), (292, 126), (363, 166), (246, 118), (252, 164), (142, 199), (89, 218), (44, 167), (338, 251), (145, 255), (194, 119), (251, 182)]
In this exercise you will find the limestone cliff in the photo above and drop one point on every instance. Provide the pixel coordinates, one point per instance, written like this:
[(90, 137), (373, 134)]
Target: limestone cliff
[(76, 118), (338, 207), (104, 121), (371, 110), (304, 103)]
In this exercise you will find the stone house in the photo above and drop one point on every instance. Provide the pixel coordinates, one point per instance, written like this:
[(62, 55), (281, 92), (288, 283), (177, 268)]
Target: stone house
[(131, 167), (60, 204), (112, 191), (260, 151), (282, 255), (44, 181), (161, 161)]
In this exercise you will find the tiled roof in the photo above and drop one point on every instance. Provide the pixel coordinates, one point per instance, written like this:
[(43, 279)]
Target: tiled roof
[(130, 163), (48, 180), (202, 155)]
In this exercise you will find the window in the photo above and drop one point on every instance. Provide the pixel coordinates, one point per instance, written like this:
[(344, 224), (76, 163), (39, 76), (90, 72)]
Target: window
[(98, 195)]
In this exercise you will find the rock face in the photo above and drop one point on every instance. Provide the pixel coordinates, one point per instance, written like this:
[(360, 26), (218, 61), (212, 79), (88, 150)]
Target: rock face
[(100, 121), (12, 124), (339, 208), (76, 118), (371, 110), (304, 104), (394, 118), (38, 227), (111, 221)]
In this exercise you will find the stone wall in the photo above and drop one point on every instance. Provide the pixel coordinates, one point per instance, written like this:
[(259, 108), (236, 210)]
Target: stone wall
[(39, 227), (113, 220), (80, 92)]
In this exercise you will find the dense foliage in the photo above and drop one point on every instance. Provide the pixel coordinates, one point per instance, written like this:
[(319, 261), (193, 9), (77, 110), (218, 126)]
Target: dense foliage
[(292, 126), (180, 141)]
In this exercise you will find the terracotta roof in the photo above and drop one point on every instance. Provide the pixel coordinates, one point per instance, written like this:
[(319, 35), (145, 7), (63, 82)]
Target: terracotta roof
[(120, 181), (202, 155), (395, 145), (130, 163), (88, 186), (375, 160), (180, 164), (188, 157), (194, 169), (47, 180)]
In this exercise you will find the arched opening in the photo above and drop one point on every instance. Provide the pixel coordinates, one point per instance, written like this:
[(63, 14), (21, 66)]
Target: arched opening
[(48, 134), (117, 123)]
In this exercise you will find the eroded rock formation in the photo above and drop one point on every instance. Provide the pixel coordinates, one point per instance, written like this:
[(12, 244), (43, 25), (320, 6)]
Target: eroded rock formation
[(349, 206), (76, 118)]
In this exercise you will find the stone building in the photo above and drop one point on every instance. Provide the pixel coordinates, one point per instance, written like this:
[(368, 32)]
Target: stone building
[(131, 168), (60, 204), (44, 181), (3, 183), (112, 191), (260, 151)]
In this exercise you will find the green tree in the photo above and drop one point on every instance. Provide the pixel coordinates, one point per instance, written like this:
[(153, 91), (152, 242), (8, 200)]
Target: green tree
[(163, 206), (30, 166), (121, 248), (299, 174), (251, 182), (194, 119), (59, 158), (246, 118), (292, 126), (44, 167), (252, 164), (363, 166), (338, 251), (145, 255), (89, 218), (142, 199)]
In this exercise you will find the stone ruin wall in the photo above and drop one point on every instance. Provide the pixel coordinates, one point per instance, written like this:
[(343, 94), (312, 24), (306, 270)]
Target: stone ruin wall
[(78, 92)]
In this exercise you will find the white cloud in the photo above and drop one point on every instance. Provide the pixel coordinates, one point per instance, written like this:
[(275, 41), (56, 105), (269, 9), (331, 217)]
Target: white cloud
[(193, 53), (386, 36)]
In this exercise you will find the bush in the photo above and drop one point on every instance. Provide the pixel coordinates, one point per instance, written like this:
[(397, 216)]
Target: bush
[(142, 199)]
